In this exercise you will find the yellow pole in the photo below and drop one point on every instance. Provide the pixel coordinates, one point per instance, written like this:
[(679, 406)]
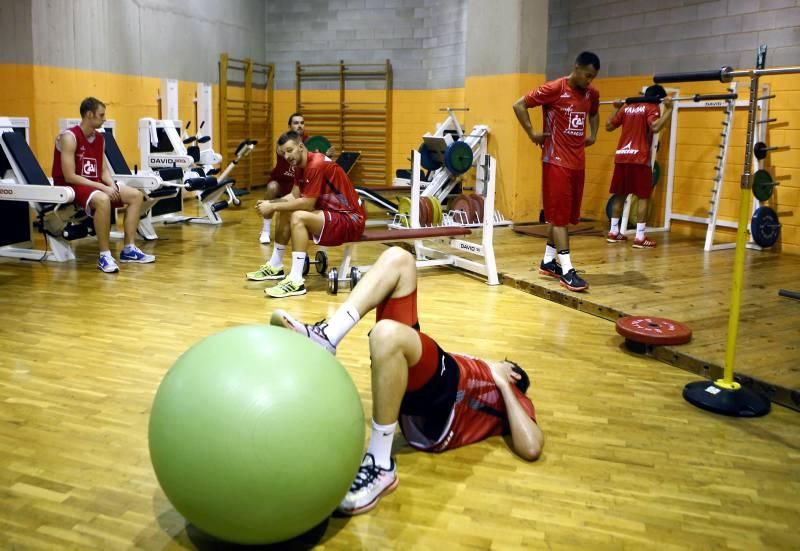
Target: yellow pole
[(741, 246)]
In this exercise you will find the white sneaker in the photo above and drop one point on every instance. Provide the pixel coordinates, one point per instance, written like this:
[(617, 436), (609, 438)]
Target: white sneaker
[(263, 237), (371, 484), (107, 264), (315, 332)]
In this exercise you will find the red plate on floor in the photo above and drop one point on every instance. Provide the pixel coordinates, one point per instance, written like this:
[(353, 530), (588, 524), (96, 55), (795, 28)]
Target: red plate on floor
[(653, 330)]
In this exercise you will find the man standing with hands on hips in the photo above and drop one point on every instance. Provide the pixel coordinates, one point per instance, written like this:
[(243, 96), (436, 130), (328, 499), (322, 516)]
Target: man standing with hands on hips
[(569, 104)]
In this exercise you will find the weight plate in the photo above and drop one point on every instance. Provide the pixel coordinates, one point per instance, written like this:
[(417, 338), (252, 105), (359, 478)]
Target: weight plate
[(437, 211), (333, 281), (306, 266), (462, 203), (764, 227), (321, 259), (656, 173), (760, 150), (762, 185), (653, 330), (318, 143), (427, 160), (458, 157)]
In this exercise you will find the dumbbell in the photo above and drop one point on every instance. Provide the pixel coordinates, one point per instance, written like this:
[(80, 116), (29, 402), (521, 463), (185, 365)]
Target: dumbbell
[(320, 261)]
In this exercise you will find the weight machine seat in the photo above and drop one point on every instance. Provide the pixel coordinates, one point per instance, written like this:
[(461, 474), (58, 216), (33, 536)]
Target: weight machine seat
[(28, 165), (419, 233), (115, 157), (347, 159)]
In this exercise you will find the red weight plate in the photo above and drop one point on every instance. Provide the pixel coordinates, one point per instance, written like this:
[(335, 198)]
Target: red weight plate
[(652, 330), (461, 202), (427, 208), (479, 200)]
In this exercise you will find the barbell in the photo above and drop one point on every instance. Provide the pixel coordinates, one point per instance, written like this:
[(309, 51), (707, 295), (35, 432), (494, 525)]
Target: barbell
[(695, 98)]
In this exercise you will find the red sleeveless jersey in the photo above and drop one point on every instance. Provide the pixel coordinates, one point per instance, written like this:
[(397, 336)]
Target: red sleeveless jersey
[(479, 411), (88, 157)]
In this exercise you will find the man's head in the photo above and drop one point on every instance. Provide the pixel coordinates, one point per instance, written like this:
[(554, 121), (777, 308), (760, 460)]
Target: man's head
[(297, 123), (93, 111), (290, 144), (656, 90), (587, 65), (524, 381)]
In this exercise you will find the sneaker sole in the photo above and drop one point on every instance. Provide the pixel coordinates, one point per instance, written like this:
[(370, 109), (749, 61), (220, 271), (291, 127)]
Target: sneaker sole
[(108, 271), (615, 240), (374, 503), (137, 261), (267, 278), (551, 274), (575, 289), (643, 247), (292, 294)]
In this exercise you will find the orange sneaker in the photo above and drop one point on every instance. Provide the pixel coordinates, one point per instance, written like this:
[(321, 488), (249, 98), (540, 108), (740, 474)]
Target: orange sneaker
[(644, 243)]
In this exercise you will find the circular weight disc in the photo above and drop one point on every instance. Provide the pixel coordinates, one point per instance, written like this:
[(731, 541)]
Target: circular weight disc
[(462, 203), (333, 281), (762, 185), (656, 173), (425, 211), (427, 160), (653, 330), (404, 207), (321, 259), (765, 227), (760, 150), (478, 200), (458, 157), (437, 211), (318, 143)]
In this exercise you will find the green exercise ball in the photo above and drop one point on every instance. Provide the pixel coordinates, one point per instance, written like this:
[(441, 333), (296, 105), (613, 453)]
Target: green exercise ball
[(256, 434)]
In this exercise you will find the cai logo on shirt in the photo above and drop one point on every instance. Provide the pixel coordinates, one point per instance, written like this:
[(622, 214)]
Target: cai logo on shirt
[(89, 167), (577, 122)]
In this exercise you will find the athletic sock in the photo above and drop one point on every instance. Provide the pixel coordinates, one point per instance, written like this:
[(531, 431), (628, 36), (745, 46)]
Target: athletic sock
[(298, 262), (276, 261), (640, 227), (564, 260), (614, 226), (380, 443), (342, 321), (549, 253), (267, 225)]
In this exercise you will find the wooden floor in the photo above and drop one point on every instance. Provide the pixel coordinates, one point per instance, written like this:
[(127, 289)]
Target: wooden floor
[(627, 463), (677, 280)]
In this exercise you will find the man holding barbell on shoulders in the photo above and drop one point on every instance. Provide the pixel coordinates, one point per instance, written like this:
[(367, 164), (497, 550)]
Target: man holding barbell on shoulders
[(632, 163)]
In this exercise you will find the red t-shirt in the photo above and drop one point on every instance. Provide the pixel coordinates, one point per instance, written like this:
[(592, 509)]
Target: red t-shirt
[(283, 172), (566, 116), (324, 179), (636, 138), (479, 412), (88, 157)]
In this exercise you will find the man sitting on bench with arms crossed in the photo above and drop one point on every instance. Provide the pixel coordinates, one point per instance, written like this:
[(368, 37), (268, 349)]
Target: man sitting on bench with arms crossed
[(79, 162), (325, 206)]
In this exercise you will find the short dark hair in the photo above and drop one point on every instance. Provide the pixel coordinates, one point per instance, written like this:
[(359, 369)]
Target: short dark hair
[(656, 90), (90, 105), (524, 382), (290, 136), (293, 115), (588, 58)]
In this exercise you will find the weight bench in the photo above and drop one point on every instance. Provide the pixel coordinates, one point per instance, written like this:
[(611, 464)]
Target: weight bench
[(28, 183), (426, 256)]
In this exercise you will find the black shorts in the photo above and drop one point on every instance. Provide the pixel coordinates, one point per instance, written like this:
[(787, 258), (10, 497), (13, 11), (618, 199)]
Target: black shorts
[(433, 403)]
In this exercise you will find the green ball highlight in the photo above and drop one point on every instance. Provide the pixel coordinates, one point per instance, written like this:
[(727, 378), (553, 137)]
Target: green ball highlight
[(256, 434)]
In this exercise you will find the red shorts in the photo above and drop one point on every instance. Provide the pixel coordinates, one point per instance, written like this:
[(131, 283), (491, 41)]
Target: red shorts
[(339, 228), (632, 178), (83, 194), (562, 193)]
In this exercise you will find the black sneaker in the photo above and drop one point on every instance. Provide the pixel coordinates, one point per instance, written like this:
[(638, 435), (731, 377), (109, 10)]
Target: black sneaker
[(572, 281), (551, 269)]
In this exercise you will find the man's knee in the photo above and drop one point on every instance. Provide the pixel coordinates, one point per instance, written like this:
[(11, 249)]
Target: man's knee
[(272, 190), (386, 337), (100, 202)]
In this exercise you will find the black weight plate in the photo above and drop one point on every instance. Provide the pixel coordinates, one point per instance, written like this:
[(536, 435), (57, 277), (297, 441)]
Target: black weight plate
[(764, 227)]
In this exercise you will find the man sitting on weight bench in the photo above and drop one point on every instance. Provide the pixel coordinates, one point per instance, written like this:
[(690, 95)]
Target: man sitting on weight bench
[(79, 162), (325, 206)]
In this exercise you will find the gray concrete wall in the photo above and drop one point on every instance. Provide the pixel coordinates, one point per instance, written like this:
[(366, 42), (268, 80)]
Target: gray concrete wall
[(638, 37), (506, 36), (160, 38), (15, 28), (424, 39)]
